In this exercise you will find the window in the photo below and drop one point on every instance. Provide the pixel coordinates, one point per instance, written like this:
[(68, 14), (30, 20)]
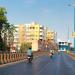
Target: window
[(41, 27)]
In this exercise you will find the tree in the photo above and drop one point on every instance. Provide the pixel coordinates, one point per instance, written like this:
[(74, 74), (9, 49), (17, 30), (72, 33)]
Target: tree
[(3, 20), (24, 47), (5, 31), (11, 31), (8, 30)]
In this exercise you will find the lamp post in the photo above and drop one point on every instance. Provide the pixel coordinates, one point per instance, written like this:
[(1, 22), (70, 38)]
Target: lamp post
[(68, 39), (72, 5), (74, 28)]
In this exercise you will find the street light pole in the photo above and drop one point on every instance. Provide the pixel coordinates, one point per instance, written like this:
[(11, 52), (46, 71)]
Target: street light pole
[(74, 28), (68, 39), (74, 22), (68, 32)]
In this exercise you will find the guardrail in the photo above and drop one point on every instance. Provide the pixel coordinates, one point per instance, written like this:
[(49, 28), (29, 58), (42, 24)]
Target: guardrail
[(13, 57)]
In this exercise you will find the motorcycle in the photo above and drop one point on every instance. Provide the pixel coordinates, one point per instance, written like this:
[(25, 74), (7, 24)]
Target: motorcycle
[(29, 59), (51, 55)]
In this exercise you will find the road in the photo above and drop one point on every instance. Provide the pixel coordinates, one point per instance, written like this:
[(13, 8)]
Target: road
[(60, 64)]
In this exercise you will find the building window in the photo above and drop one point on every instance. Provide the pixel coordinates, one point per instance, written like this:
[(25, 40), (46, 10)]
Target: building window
[(41, 27), (41, 35), (32, 27)]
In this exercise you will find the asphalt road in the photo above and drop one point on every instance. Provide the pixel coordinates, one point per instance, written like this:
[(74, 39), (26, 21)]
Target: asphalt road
[(60, 64)]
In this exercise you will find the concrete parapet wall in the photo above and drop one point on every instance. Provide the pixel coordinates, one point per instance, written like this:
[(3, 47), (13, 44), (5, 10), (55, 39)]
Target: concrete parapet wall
[(13, 57)]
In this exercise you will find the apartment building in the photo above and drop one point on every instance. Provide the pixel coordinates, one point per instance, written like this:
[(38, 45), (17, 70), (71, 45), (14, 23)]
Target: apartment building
[(51, 35), (32, 32)]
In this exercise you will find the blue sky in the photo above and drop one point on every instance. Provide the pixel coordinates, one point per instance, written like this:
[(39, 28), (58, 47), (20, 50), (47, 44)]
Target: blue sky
[(54, 14)]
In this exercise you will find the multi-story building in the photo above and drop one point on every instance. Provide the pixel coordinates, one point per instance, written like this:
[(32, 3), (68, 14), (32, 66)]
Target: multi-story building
[(22, 32), (50, 35), (28, 33), (32, 33), (50, 39), (19, 35)]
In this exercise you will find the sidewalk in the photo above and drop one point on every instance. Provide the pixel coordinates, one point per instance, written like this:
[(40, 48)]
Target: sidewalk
[(71, 54)]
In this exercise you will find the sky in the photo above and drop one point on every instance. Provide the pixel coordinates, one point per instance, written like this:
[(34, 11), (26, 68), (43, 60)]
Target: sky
[(54, 14)]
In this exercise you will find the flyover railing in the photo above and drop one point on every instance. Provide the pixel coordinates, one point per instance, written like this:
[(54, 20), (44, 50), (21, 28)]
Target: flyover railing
[(11, 57), (6, 57)]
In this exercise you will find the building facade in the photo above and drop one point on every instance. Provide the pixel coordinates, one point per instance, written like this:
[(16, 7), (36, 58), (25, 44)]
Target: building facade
[(51, 35), (22, 33), (33, 32)]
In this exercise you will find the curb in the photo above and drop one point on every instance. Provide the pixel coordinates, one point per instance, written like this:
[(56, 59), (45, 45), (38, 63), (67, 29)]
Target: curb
[(12, 63)]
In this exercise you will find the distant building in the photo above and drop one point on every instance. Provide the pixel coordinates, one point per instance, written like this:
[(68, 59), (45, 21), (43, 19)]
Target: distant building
[(51, 35)]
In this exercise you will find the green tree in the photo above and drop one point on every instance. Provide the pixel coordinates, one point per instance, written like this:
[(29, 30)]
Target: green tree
[(3, 20), (11, 31), (24, 47), (8, 31), (5, 31)]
